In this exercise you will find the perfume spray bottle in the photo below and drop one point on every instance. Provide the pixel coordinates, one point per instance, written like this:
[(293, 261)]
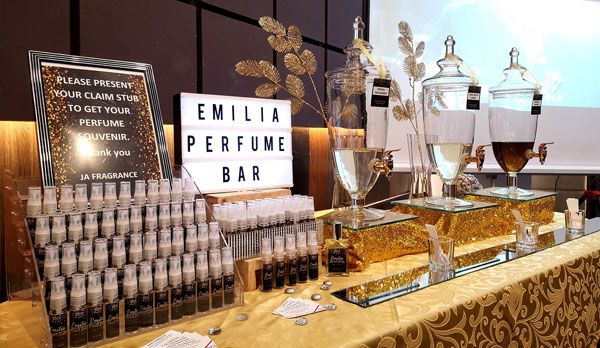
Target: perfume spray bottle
[(50, 206), (81, 197), (51, 269), (216, 278), (191, 239), (110, 195), (302, 257), (118, 259), (96, 196), (164, 243), (151, 220), (111, 303), (203, 281), (267, 265), (164, 215), (66, 198), (228, 275), (161, 292), (75, 229), (176, 214), (130, 293), (122, 227), (86, 258), (139, 192), (108, 223), (135, 248), (279, 257), (292, 261), (164, 194), (188, 213), (125, 194), (58, 313), (146, 297), (100, 255), (68, 266), (42, 238), (176, 190), (95, 307), (34, 200), (189, 190), (90, 229), (78, 312), (135, 219), (313, 255), (189, 285), (152, 195), (59, 232), (176, 284), (337, 252), (203, 243), (214, 238), (150, 248), (177, 241), (200, 211)]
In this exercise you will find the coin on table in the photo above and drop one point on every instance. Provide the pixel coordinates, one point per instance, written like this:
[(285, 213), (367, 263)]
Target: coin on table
[(324, 287), (241, 317), (327, 282), (301, 321), (315, 297), (330, 307), (290, 290), (214, 331)]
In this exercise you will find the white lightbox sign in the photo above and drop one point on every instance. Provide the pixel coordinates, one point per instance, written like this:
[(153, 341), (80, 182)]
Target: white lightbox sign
[(234, 143)]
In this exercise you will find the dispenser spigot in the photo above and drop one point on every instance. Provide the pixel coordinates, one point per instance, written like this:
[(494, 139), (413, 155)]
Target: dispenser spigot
[(479, 157), (385, 164), (541, 154)]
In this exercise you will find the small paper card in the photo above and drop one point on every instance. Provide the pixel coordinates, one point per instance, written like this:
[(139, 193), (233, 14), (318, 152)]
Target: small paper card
[(178, 339), (381, 93), (297, 307)]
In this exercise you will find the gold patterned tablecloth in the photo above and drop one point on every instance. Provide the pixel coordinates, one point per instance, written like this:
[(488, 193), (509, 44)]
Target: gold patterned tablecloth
[(551, 298)]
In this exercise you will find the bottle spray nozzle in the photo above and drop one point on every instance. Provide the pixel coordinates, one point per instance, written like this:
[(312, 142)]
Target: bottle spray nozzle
[(94, 288), (111, 287), (227, 260), (58, 297), (130, 286), (174, 271), (215, 266), (201, 265)]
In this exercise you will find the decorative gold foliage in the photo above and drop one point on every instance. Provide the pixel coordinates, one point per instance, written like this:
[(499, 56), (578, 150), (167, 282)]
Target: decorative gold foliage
[(266, 90), (410, 108), (279, 43), (295, 86), (310, 62), (420, 49), (405, 45), (295, 37), (296, 105), (349, 88), (272, 26), (269, 71), (395, 93), (405, 31), (400, 113), (293, 64), (420, 72), (410, 66), (249, 68), (349, 111)]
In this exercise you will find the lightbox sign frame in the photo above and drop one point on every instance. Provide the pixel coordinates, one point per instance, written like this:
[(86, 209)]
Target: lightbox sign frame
[(234, 143)]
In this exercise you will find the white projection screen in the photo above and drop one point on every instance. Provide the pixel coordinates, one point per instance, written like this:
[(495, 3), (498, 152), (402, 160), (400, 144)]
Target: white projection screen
[(559, 43)]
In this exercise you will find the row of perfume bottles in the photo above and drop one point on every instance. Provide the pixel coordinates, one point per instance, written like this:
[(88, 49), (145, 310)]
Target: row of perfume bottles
[(120, 221), (94, 305), (91, 224), (87, 254), (105, 195), (298, 263), (262, 213)]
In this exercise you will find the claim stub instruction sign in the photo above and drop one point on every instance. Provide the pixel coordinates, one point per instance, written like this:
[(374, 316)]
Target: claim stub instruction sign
[(234, 143)]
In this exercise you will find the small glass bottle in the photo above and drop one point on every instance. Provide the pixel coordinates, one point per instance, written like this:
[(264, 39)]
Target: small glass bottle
[(177, 244), (203, 243), (152, 195), (176, 214), (135, 248), (95, 307), (118, 259), (139, 192), (59, 233), (81, 197), (146, 296), (164, 191), (66, 199), (151, 220), (313, 255), (58, 313), (110, 195), (302, 257), (216, 279), (214, 237), (189, 285), (108, 223), (111, 303), (164, 243), (125, 194), (203, 282), (135, 219), (42, 238), (176, 284), (337, 252), (200, 211), (150, 247), (176, 190), (50, 206), (68, 266), (34, 201), (130, 293), (75, 230), (228, 275), (100, 254), (188, 213), (191, 239), (90, 228), (164, 215), (96, 196), (189, 190), (267, 265), (86, 257), (161, 292), (291, 259), (51, 270), (78, 312), (279, 256)]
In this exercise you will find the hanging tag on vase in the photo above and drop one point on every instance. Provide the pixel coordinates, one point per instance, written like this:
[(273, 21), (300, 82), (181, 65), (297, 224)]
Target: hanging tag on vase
[(536, 104), (473, 96), (381, 93)]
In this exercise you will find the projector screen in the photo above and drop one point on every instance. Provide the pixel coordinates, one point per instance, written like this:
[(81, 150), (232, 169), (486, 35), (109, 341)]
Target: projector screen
[(558, 41)]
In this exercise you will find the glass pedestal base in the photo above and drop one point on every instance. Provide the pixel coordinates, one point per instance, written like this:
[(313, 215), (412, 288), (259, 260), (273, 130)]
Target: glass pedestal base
[(353, 217), (512, 192), (448, 203)]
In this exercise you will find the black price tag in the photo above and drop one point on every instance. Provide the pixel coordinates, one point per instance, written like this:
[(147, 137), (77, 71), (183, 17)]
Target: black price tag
[(381, 93), (536, 104), (473, 97)]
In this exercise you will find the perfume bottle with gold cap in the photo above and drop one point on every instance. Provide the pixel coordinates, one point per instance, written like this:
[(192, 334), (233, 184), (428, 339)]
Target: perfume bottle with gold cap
[(337, 252)]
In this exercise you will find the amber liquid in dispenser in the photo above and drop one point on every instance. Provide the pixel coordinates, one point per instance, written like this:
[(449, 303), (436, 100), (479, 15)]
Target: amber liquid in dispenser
[(512, 156)]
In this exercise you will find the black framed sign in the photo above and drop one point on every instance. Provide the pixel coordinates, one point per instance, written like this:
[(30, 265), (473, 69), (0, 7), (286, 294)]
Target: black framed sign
[(98, 120)]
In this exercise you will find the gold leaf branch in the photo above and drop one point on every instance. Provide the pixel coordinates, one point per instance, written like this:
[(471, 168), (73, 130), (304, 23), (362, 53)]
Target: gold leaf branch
[(297, 62)]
